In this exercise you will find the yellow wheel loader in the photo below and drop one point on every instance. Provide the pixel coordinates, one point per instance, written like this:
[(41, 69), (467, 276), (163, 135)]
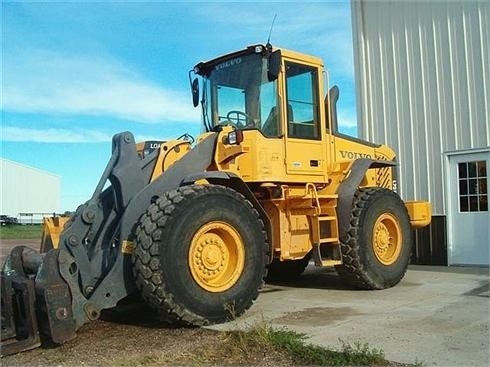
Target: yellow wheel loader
[(196, 227)]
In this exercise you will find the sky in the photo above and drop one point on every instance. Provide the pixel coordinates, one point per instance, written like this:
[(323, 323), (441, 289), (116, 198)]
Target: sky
[(75, 73)]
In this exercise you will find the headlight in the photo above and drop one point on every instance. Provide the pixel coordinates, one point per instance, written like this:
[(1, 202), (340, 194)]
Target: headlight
[(235, 137)]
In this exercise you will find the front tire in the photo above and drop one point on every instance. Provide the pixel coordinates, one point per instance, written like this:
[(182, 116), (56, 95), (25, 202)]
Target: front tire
[(377, 247), (200, 255)]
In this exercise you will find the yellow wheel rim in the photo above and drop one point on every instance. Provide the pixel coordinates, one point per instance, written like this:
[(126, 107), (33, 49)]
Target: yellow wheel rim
[(387, 239), (216, 256)]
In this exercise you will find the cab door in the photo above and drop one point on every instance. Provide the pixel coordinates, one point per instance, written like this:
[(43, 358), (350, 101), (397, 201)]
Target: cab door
[(305, 150)]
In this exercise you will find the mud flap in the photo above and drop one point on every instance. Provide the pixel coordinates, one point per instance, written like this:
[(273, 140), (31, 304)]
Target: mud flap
[(19, 324)]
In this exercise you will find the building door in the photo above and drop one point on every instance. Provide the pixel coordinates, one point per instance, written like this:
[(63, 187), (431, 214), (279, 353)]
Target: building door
[(469, 219)]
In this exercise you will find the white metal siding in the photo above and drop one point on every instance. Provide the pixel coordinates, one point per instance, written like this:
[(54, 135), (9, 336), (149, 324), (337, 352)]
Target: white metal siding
[(423, 84), (28, 190)]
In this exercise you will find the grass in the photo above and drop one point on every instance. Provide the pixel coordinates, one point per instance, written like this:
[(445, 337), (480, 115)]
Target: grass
[(299, 352), (17, 231), (264, 345)]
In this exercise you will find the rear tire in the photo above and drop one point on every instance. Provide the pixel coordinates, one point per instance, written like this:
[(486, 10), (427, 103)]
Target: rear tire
[(200, 255), (377, 247)]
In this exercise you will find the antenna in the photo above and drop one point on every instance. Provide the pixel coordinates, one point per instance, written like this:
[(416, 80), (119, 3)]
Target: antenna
[(270, 31)]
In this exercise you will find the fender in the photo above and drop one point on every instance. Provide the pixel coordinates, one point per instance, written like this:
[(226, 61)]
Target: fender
[(348, 188), (197, 160), (235, 182)]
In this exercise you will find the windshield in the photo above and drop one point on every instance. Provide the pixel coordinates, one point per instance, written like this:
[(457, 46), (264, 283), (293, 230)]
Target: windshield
[(237, 92)]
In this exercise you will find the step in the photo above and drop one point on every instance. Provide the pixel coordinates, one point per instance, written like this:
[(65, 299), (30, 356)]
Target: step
[(330, 263), (326, 218), (329, 239), (333, 232), (327, 261)]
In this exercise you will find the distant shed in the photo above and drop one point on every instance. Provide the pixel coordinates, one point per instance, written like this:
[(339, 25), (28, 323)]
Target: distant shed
[(28, 193)]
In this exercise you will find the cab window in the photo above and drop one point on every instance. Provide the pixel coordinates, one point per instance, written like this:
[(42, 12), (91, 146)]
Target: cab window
[(231, 99), (302, 101)]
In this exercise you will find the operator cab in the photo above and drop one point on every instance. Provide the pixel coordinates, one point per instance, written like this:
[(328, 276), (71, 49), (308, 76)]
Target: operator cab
[(240, 89), (275, 97)]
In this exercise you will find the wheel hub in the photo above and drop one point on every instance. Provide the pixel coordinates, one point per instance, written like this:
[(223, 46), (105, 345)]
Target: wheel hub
[(216, 256), (387, 239), (382, 238), (210, 255)]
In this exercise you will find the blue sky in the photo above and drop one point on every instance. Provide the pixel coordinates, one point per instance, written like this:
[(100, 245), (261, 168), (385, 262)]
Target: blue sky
[(75, 73)]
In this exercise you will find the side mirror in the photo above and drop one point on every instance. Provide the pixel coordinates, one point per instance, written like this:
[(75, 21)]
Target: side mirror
[(195, 92), (274, 65)]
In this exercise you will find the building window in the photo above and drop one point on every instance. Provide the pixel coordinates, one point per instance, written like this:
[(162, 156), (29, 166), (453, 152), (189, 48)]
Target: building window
[(473, 183)]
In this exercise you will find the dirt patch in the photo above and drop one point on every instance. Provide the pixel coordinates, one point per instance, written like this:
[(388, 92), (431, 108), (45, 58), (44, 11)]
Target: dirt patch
[(132, 336)]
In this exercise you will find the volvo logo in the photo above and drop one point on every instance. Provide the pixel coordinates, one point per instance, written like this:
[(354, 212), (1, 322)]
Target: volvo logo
[(354, 155), (228, 63)]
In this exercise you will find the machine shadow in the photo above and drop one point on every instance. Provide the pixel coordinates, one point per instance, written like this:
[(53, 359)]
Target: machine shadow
[(133, 311), (315, 278)]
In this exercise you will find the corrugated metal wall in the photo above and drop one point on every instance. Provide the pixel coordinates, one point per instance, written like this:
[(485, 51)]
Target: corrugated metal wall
[(423, 84), (28, 190)]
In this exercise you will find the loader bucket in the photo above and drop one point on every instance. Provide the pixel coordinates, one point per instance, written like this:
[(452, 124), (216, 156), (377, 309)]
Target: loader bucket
[(35, 301)]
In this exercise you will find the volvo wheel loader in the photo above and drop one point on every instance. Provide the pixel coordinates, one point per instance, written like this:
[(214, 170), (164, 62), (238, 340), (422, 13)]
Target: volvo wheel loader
[(196, 228)]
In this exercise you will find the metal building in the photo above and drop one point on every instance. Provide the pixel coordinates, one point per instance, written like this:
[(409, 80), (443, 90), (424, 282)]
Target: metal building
[(28, 193), (423, 87)]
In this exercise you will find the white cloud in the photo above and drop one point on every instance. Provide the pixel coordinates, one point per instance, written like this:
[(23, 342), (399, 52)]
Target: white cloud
[(53, 83), (20, 134), (52, 135)]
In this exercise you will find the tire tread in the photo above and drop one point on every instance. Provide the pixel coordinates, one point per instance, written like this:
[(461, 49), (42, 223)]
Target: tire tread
[(353, 270)]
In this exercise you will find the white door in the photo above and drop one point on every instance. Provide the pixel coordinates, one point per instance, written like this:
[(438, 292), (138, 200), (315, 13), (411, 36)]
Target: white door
[(468, 217)]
